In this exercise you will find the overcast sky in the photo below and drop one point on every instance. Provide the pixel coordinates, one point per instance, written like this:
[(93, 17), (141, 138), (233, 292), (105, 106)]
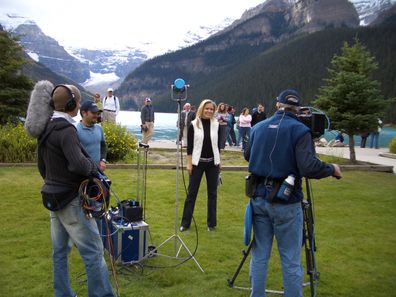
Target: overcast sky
[(116, 23)]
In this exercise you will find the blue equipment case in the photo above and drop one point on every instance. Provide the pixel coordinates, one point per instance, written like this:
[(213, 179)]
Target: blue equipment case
[(129, 241)]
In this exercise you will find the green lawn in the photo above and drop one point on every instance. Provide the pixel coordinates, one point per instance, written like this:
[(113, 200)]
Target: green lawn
[(355, 232)]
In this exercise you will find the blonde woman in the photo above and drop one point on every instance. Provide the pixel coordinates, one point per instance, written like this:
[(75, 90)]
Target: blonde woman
[(203, 156)]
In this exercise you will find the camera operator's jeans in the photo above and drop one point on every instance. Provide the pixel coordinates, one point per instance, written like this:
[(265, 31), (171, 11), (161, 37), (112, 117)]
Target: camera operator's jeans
[(285, 221), (71, 222)]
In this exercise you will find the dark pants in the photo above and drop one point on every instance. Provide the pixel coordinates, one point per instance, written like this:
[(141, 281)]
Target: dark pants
[(363, 141), (224, 130), (212, 175), (232, 137)]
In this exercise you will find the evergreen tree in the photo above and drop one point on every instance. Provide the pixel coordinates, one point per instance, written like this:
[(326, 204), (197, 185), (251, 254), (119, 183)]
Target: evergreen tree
[(14, 87), (351, 97)]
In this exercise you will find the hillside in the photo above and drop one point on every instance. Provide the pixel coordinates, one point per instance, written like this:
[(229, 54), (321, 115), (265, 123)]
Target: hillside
[(37, 71), (302, 64), (214, 58)]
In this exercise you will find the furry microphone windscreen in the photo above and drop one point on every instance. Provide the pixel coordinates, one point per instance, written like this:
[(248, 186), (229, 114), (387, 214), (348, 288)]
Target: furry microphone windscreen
[(39, 110)]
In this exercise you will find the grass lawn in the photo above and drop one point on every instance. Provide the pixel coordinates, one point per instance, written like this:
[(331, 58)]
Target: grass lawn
[(355, 233)]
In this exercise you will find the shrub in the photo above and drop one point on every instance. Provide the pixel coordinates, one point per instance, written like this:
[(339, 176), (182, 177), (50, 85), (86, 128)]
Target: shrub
[(392, 146), (16, 145), (120, 142)]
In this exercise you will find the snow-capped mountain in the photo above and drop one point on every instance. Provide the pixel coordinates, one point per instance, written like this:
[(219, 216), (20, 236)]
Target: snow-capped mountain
[(103, 67), (368, 10), (203, 32)]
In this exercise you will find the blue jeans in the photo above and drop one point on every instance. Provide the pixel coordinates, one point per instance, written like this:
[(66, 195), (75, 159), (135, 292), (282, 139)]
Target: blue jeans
[(71, 222), (374, 140), (243, 134), (285, 221)]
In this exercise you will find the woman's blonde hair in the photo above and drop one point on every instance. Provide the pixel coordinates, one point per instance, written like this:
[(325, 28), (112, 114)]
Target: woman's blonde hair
[(200, 110)]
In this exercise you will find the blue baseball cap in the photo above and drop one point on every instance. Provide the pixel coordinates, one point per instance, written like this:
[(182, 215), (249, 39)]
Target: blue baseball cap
[(89, 105), (290, 97)]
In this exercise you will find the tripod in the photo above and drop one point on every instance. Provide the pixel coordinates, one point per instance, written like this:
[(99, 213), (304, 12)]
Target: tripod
[(141, 193), (308, 242), (181, 92)]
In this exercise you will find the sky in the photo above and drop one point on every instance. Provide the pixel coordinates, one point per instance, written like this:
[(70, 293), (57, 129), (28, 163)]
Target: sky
[(115, 24)]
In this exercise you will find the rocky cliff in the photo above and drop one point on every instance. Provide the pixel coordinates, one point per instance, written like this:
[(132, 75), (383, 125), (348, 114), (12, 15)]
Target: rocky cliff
[(47, 51)]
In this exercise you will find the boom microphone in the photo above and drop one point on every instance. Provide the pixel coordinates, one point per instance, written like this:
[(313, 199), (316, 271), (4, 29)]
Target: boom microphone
[(39, 109)]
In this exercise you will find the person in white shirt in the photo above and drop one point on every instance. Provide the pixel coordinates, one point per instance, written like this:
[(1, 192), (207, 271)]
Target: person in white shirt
[(111, 107)]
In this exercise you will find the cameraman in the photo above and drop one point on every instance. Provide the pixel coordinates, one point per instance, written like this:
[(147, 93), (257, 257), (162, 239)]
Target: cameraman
[(281, 146)]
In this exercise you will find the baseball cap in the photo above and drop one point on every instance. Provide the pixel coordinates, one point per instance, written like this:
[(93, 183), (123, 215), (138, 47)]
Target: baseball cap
[(147, 99), (289, 97), (110, 90), (89, 105)]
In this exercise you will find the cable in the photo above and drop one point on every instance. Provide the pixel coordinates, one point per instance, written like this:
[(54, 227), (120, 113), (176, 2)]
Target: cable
[(275, 142)]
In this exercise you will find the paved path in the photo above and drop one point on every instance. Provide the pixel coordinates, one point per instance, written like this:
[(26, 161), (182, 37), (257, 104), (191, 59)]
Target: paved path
[(362, 154)]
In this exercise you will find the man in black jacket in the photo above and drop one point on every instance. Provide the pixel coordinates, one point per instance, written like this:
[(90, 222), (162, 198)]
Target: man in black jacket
[(63, 166)]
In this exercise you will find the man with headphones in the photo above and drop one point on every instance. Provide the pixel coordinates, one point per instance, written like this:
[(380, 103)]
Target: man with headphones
[(63, 166), (281, 147)]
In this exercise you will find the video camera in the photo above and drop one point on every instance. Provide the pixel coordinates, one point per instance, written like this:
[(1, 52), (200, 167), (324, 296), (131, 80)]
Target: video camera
[(314, 120)]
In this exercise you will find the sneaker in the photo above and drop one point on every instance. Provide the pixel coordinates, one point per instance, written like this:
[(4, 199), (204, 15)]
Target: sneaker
[(182, 228), (210, 229)]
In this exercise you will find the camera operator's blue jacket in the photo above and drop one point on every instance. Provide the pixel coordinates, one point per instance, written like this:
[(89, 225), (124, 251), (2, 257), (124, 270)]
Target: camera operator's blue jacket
[(280, 146)]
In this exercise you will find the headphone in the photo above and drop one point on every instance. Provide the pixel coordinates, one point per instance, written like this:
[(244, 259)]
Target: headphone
[(70, 104)]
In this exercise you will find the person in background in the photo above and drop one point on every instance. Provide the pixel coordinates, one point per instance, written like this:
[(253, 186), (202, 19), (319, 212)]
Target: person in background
[(203, 156), (363, 139), (183, 123), (98, 101), (281, 147), (147, 118), (111, 107), (91, 134), (63, 166), (223, 118), (231, 138), (374, 139), (259, 115), (245, 120)]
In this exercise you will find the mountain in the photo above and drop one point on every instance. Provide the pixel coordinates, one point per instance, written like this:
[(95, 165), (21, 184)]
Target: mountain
[(259, 29), (108, 67), (48, 52), (386, 18), (368, 10)]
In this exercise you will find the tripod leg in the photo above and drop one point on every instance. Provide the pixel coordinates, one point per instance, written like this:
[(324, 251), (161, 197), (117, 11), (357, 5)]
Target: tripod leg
[(309, 241), (245, 255)]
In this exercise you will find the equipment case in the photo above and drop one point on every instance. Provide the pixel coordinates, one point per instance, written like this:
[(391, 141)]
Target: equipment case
[(129, 241)]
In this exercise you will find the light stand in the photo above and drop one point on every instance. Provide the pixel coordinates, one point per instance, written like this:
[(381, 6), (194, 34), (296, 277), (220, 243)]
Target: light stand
[(178, 94)]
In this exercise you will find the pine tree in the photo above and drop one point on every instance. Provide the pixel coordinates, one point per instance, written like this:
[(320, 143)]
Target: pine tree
[(351, 98), (14, 87)]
